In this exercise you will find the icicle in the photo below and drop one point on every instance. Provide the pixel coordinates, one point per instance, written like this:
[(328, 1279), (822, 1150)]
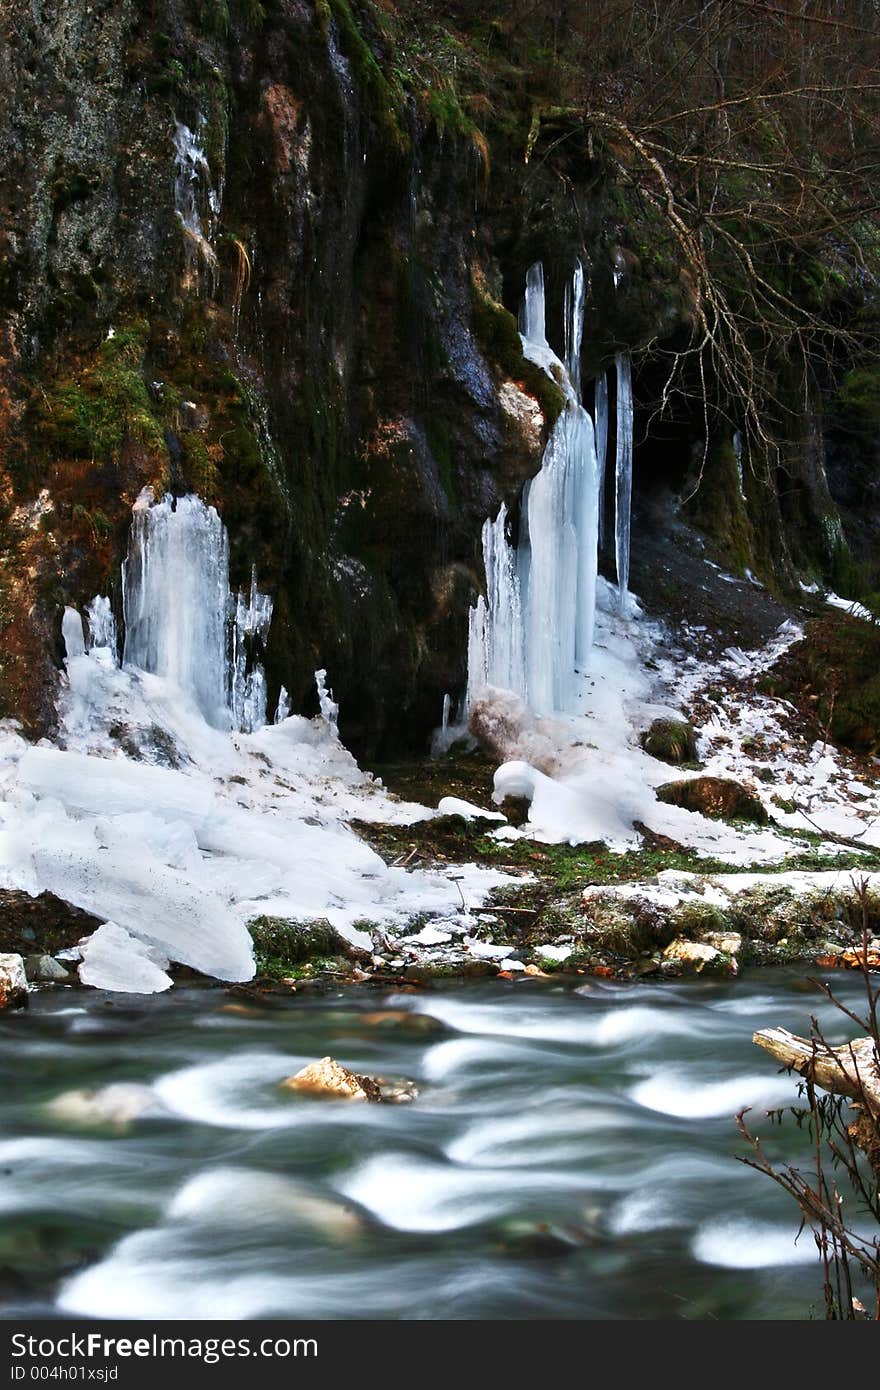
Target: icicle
[(248, 686), (72, 632), (176, 598), (738, 456), (535, 627), (574, 327), (447, 710), (181, 621), (327, 705), (623, 476), (102, 627), (601, 428), (532, 317), (282, 710), (193, 191)]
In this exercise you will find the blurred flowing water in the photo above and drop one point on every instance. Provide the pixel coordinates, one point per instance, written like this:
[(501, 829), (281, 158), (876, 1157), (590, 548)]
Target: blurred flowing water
[(571, 1154)]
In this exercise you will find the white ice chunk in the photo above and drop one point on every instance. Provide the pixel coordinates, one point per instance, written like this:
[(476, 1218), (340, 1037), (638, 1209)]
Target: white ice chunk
[(72, 632), (454, 806), (114, 960)]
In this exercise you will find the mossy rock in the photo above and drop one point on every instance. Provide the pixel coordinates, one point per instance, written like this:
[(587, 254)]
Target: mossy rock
[(692, 920), (718, 797), (672, 741), (282, 945), (496, 330)]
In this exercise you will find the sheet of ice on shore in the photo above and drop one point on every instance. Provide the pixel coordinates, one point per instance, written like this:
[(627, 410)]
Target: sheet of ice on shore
[(455, 806), (113, 959), (182, 856)]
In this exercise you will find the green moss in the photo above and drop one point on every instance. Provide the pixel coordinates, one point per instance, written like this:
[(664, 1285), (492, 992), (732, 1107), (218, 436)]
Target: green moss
[(691, 920), (440, 444), (718, 508), (202, 474), (497, 333), (672, 741), (444, 108), (89, 413), (384, 99), (287, 948)]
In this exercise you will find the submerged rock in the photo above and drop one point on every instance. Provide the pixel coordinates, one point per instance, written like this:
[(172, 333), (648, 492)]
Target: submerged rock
[(13, 981), (718, 797), (330, 1079), (113, 1107), (403, 1021), (396, 1090), (672, 741)]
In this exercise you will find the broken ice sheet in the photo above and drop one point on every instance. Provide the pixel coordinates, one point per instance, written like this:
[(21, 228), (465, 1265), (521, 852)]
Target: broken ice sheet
[(113, 959)]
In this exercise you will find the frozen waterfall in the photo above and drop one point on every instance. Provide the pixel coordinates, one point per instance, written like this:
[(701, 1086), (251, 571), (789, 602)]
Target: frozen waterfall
[(600, 417), (623, 476), (181, 620), (534, 630)]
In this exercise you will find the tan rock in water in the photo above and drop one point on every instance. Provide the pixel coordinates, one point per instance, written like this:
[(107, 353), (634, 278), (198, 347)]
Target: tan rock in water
[(331, 1080), (13, 981)]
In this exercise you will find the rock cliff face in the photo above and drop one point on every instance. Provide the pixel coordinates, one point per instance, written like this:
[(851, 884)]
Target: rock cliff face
[(239, 254)]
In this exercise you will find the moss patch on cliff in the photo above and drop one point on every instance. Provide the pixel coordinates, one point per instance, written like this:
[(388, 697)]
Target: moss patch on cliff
[(718, 505), (88, 412), (383, 96), (497, 333)]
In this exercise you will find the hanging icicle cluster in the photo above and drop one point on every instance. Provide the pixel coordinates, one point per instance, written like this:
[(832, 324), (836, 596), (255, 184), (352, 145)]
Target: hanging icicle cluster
[(533, 631)]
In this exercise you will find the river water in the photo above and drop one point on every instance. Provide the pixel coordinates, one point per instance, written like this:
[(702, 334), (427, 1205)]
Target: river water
[(572, 1154)]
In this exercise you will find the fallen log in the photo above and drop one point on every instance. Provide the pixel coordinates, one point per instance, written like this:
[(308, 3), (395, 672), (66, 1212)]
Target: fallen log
[(851, 1070)]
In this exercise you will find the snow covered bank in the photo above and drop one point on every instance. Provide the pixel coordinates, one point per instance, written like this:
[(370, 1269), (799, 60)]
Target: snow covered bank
[(159, 816)]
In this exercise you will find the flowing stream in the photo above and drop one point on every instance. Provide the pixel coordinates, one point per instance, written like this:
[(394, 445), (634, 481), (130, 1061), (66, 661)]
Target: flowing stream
[(571, 1154)]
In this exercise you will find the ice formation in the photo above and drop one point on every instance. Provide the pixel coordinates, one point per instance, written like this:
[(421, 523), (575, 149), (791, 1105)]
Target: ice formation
[(600, 418), (534, 630), (167, 823), (102, 627), (247, 681), (623, 476), (181, 620), (113, 959), (196, 201)]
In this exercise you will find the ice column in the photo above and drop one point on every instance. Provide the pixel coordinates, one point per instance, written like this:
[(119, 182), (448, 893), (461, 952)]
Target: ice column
[(182, 622), (623, 475), (248, 686), (600, 412), (102, 627), (534, 630)]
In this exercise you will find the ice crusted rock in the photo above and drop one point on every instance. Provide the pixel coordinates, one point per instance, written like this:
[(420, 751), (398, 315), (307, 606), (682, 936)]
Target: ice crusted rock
[(112, 959)]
